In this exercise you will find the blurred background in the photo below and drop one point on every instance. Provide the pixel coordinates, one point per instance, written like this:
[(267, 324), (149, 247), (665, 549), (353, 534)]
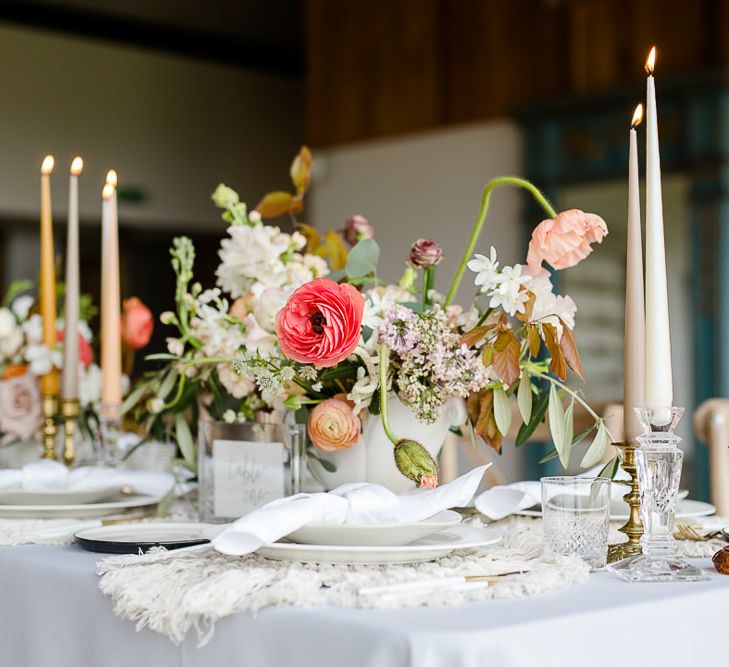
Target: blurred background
[(409, 106)]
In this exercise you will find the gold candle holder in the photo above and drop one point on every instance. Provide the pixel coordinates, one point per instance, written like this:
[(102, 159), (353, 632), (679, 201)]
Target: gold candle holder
[(49, 405), (70, 411), (633, 528)]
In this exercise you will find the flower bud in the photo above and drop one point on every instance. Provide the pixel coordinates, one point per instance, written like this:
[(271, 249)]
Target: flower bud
[(167, 317), (224, 197), (416, 463), (425, 253), (357, 228)]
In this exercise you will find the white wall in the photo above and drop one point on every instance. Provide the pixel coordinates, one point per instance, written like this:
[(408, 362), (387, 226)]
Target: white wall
[(427, 185), (172, 127)]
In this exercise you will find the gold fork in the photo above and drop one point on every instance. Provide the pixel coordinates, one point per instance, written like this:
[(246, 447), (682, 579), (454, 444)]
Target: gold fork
[(685, 531)]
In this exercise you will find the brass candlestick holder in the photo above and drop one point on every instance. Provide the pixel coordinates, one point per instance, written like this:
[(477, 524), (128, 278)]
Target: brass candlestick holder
[(633, 528), (49, 404), (69, 410)]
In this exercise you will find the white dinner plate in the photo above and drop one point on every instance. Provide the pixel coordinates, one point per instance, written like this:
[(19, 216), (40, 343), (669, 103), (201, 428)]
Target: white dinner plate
[(374, 535), (80, 511), (130, 538), (427, 548), (59, 496), (685, 509)]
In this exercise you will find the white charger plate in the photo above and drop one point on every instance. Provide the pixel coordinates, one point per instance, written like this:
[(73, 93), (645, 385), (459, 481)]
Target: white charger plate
[(59, 496), (76, 511), (685, 509), (373, 535), (427, 548)]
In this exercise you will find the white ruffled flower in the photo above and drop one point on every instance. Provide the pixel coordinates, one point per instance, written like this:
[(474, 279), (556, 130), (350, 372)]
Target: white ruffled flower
[(267, 304), (486, 270), (42, 359), (33, 329), (89, 389), (508, 294), (379, 300), (22, 305), (175, 346), (257, 338), (548, 307), (229, 416), (11, 335)]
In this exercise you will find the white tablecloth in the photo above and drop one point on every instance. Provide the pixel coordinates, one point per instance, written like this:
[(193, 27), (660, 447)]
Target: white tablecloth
[(53, 615)]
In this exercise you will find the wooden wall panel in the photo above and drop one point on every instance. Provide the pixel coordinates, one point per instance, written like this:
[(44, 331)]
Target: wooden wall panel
[(378, 67)]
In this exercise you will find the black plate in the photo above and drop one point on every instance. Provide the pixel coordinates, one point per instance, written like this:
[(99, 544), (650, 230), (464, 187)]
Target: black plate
[(105, 547)]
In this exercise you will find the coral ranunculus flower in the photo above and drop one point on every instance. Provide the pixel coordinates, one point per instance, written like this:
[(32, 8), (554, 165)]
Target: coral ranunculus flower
[(566, 240), (137, 324), (332, 425), (321, 323)]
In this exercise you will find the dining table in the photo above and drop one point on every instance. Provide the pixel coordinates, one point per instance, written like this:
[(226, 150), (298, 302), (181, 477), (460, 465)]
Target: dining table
[(52, 614)]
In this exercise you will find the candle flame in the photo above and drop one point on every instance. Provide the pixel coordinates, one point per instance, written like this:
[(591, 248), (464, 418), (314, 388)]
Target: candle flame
[(47, 166), (637, 116), (108, 191), (650, 62), (111, 178), (77, 166)]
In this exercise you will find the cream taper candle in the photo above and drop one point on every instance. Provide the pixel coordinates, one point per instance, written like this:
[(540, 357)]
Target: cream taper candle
[(69, 384), (658, 374), (110, 297), (634, 354)]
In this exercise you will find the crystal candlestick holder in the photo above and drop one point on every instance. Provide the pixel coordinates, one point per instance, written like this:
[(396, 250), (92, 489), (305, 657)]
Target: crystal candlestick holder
[(110, 421), (659, 462)]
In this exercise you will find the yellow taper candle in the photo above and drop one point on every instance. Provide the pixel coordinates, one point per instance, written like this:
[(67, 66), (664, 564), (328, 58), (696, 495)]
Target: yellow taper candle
[(47, 288)]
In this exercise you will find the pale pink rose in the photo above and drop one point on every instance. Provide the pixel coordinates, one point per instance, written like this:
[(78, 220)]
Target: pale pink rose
[(428, 482), (332, 425), (137, 324), (321, 323), (566, 240), (20, 406), (357, 228)]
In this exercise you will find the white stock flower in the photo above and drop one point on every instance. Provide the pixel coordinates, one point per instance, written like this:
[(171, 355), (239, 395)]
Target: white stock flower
[(22, 305), (11, 335), (167, 317), (379, 300), (238, 386), (257, 339), (175, 346), (40, 359), (486, 270), (90, 385), (229, 416), (508, 293), (33, 329), (267, 304)]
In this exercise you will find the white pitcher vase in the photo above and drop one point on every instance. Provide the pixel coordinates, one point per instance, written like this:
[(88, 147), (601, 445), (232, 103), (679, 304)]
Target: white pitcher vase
[(371, 458)]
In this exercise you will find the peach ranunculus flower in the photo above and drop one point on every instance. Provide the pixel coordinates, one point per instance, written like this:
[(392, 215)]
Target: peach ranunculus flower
[(332, 425), (321, 323), (566, 240), (137, 324)]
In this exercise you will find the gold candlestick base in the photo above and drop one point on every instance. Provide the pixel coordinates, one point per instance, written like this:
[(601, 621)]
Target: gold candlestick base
[(633, 528), (49, 406), (70, 410)]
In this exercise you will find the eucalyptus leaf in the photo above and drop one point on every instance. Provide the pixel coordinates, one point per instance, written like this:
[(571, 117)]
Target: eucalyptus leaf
[(502, 411), (167, 384), (363, 258), (539, 409), (524, 396), (133, 397), (548, 457), (597, 449), (160, 356), (610, 469), (184, 440), (557, 425), (569, 427)]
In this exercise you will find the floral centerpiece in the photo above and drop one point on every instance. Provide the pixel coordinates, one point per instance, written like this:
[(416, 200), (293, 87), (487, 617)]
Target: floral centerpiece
[(302, 322)]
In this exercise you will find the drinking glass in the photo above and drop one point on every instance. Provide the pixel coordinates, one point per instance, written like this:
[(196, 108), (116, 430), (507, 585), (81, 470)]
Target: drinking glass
[(576, 516)]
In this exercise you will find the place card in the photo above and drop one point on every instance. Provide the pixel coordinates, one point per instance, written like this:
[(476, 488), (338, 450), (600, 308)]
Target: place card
[(246, 475)]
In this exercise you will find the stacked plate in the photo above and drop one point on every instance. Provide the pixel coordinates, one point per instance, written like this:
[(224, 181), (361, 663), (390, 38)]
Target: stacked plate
[(69, 503), (314, 543)]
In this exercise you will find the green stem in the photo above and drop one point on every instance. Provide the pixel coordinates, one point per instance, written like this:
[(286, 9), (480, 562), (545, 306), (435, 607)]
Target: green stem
[(490, 186), (428, 282), (384, 360), (574, 395)]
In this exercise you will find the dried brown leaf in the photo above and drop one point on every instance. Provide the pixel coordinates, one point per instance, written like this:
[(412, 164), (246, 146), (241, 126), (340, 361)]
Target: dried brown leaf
[(476, 335), (480, 408), (526, 316), (558, 364), (301, 170), (506, 357), (275, 204), (534, 341), (568, 346)]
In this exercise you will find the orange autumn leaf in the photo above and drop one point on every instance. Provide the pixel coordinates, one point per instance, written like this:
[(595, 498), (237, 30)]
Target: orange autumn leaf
[(526, 316), (506, 357), (568, 345), (476, 335), (14, 371), (275, 204), (534, 341), (558, 364), (334, 251), (301, 170), (480, 409)]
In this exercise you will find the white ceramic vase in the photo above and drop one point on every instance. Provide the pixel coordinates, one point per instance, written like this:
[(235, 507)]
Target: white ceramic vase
[(371, 459)]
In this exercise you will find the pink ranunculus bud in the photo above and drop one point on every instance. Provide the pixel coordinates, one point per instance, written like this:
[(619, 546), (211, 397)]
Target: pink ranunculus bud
[(425, 253), (332, 425), (358, 228), (137, 324), (566, 240), (320, 324)]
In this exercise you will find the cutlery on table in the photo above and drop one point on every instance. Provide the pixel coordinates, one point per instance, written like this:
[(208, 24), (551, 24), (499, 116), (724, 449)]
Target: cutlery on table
[(685, 531), (463, 582)]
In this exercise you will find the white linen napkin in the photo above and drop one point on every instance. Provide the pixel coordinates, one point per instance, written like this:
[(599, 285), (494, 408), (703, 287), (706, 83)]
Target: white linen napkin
[(501, 501), (354, 503), (54, 476)]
